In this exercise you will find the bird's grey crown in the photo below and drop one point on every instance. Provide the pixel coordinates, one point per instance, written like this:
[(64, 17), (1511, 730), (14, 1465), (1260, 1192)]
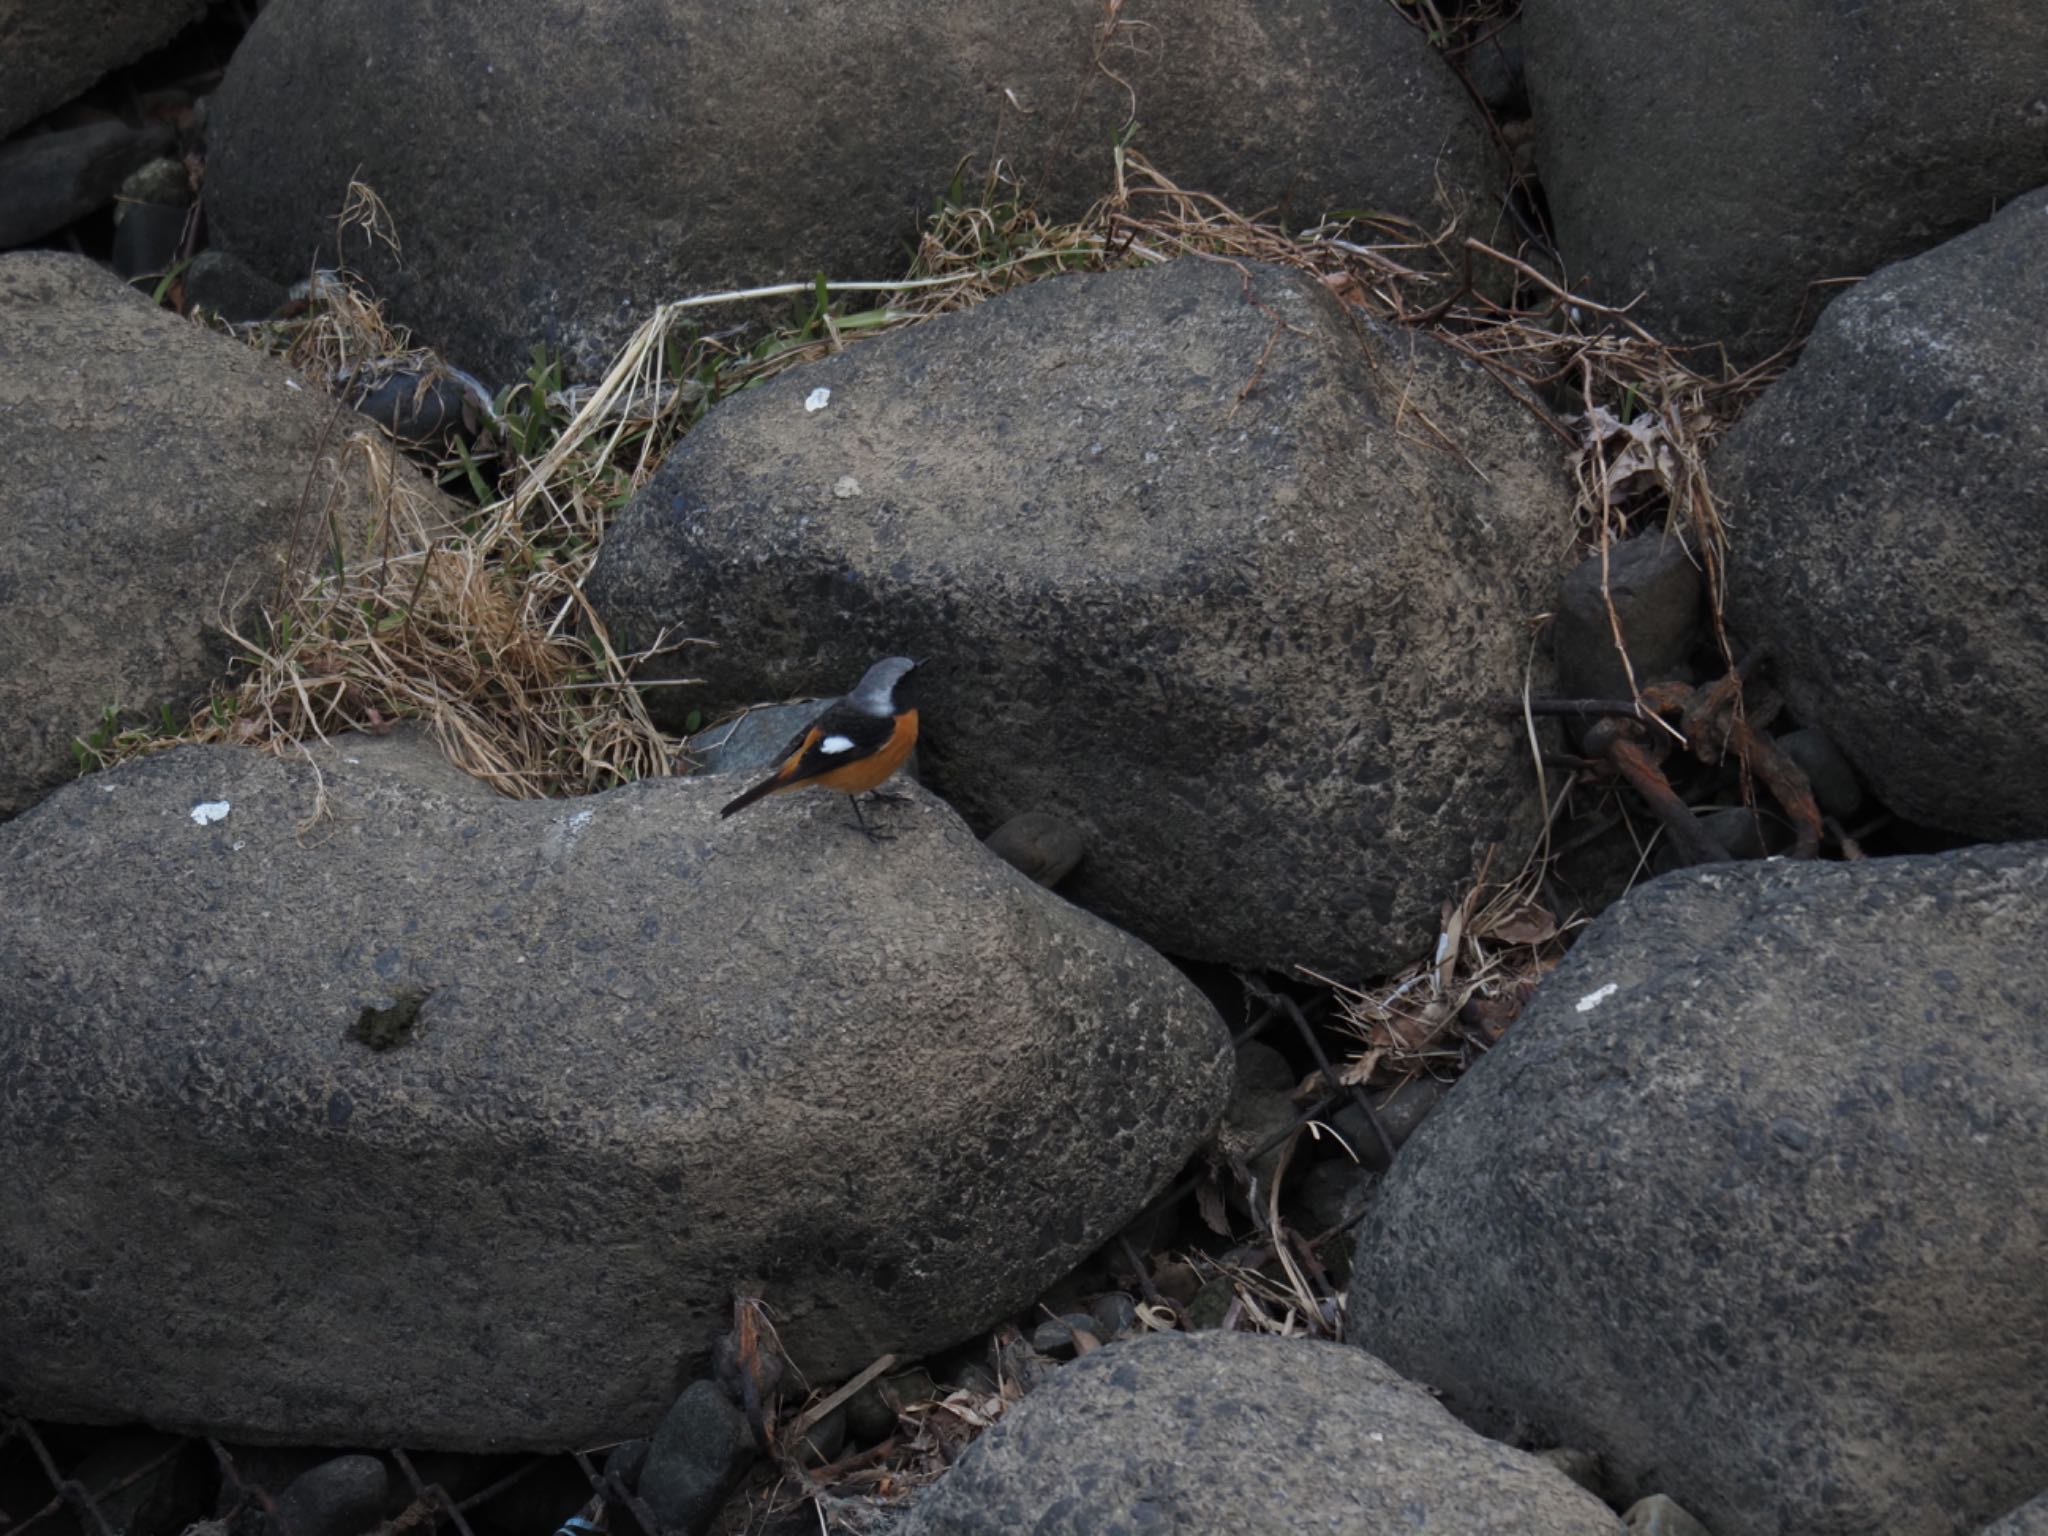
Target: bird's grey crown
[(875, 693)]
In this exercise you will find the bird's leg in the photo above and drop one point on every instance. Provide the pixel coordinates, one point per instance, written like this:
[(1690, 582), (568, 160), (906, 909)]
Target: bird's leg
[(862, 823), (885, 797)]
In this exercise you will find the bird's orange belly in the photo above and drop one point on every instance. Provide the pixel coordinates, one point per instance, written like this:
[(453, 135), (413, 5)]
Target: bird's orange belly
[(857, 778)]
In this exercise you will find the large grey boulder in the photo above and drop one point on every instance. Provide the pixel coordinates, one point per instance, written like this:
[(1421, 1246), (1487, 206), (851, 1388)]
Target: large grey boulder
[(156, 479), (1719, 159), (50, 53), (49, 179), (1887, 504), (1749, 1201), (358, 1106), (669, 147), (1191, 573), (2030, 1519), (1250, 1434)]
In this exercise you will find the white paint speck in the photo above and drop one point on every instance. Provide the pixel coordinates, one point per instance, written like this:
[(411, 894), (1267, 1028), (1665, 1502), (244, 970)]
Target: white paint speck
[(1593, 1000), (836, 744), (846, 487), (818, 399), (207, 812), (293, 384)]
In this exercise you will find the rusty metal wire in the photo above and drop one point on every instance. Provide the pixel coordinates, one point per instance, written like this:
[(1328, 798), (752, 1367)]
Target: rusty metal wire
[(432, 1504)]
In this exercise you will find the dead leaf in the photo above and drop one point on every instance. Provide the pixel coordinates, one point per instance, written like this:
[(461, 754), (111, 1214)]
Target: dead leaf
[(1209, 1202), (1528, 924), (1085, 1343)]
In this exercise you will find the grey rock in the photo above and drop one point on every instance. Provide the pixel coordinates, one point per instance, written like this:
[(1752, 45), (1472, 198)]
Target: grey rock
[(1892, 496), (669, 150), (1043, 846), (1259, 1066), (1211, 1304), (1836, 788), (976, 1378), (752, 743), (1243, 1433), (1497, 66), (1114, 1313), (697, 1054), (1100, 543), (1022, 1365), (148, 240), (1655, 588), (1825, 155), (1335, 1191), (229, 287), (1059, 1337), (1746, 832), (701, 1451), (1582, 1467), (150, 472), (165, 181), (53, 52), (824, 1440), (47, 180), (2030, 1519), (419, 409), (341, 1497), (870, 1416), (626, 1462), (1742, 1203), (1659, 1516), (1256, 1116), (913, 1386), (1399, 1110)]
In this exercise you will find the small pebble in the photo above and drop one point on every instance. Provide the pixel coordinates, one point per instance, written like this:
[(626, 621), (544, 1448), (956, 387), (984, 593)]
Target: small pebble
[(1660, 1516), (699, 1454), (1260, 1066), (1211, 1302), (869, 1417), (912, 1386), (342, 1497), (625, 1461), (1836, 788), (1067, 1335), (1115, 1314), (824, 1440)]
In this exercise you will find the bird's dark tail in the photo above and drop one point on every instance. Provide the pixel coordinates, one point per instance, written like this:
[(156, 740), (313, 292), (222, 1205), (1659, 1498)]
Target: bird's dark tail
[(766, 786)]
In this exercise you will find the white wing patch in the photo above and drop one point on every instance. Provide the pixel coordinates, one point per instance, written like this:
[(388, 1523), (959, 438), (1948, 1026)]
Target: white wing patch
[(836, 744)]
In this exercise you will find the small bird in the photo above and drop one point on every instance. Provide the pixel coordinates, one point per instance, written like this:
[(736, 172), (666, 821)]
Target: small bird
[(853, 746)]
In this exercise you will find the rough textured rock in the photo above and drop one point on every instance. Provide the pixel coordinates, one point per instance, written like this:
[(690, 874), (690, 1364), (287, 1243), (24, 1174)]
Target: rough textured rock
[(1655, 591), (669, 148), (697, 1458), (49, 179), (50, 53), (635, 1059), (1719, 178), (151, 473), (1748, 1201), (2030, 1519), (1888, 512), (1181, 578), (1245, 1433), (341, 1497)]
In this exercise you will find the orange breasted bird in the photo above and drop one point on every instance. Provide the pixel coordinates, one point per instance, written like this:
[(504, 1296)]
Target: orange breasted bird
[(853, 746)]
